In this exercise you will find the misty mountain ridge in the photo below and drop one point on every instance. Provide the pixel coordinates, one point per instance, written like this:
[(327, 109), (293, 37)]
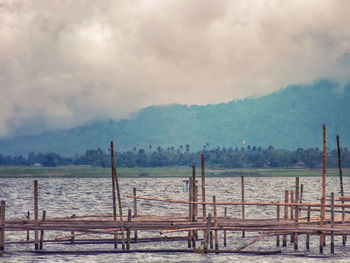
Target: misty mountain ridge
[(289, 118)]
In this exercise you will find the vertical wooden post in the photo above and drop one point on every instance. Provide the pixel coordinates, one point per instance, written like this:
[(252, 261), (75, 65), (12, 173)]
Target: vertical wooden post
[(278, 219), (36, 215), (341, 186), (128, 232), (2, 220), (203, 186), (225, 217), (308, 221), (215, 224), (242, 200), (211, 239), (297, 186), (321, 232), (115, 176), (206, 240), (135, 212), (113, 194), (190, 206), (286, 195), (28, 217), (42, 231), (292, 212), (323, 199), (332, 222), (72, 233), (301, 197), (194, 206)]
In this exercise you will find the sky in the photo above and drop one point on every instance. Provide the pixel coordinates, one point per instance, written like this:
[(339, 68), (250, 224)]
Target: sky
[(66, 63)]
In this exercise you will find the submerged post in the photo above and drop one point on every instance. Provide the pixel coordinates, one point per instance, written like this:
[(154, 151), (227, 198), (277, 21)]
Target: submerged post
[(28, 217), (243, 200), (135, 212), (36, 216), (42, 231), (2, 221)]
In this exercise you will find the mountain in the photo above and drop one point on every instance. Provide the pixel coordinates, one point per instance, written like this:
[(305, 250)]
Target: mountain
[(289, 118)]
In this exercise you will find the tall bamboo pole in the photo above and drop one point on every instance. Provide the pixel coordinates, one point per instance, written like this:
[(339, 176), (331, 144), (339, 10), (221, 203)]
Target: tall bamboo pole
[(216, 224), (203, 186), (114, 172), (36, 216), (2, 231), (341, 186), (242, 200), (323, 200)]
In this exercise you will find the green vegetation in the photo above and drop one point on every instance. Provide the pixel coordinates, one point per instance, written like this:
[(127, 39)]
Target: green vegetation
[(77, 171), (287, 119)]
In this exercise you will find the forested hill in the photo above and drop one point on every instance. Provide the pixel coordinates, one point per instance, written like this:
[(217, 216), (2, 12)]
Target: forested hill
[(289, 118)]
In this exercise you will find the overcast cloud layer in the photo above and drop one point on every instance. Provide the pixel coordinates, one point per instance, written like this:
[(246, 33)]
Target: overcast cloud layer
[(63, 63)]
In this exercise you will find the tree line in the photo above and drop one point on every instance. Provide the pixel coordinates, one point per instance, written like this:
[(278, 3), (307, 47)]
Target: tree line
[(217, 157)]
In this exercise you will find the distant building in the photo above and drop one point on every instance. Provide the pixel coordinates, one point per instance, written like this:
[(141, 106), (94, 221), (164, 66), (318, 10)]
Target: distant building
[(37, 165)]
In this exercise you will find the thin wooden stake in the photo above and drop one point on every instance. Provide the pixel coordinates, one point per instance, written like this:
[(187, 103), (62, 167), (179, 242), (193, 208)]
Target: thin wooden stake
[(207, 235), (72, 233), (128, 232), (2, 221), (292, 213), (286, 195), (36, 216), (203, 186), (28, 217), (115, 176), (278, 219), (308, 222), (135, 212), (243, 200), (332, 222), (341, 186), (42, 231), (225, 217), (323, 199), (216, 224)]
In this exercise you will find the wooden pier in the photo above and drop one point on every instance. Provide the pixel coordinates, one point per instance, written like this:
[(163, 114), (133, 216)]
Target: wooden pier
[(200, 227)]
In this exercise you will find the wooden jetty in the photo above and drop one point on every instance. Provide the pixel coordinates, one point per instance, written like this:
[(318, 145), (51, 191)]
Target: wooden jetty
[(200, 227)]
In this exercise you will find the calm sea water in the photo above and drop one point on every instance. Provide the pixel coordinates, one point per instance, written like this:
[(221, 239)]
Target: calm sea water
[(64, 197)]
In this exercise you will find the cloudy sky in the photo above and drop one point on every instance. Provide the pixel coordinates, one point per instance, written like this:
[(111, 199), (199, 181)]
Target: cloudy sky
[(64, 63)]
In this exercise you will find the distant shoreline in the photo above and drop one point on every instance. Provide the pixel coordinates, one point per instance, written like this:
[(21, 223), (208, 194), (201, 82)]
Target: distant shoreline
[(74, 171)]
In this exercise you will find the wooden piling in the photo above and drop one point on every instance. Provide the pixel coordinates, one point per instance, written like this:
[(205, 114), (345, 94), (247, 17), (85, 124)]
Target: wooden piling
[(2, 222), (308, 222), (341, 185), (215, 224), (225, 217), (190, 211), (292, 213), (115, 176), (36, 216), (42, 231), (72, 233), (278, 219), (207, 235), (242, 200), (203, 186), (323, 199), (332, 223), (128, 232), (286, 196), (28, 217), (135, 212)]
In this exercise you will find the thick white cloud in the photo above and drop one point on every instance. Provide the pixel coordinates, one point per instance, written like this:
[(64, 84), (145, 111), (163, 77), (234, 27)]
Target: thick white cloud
[(63, 63)]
